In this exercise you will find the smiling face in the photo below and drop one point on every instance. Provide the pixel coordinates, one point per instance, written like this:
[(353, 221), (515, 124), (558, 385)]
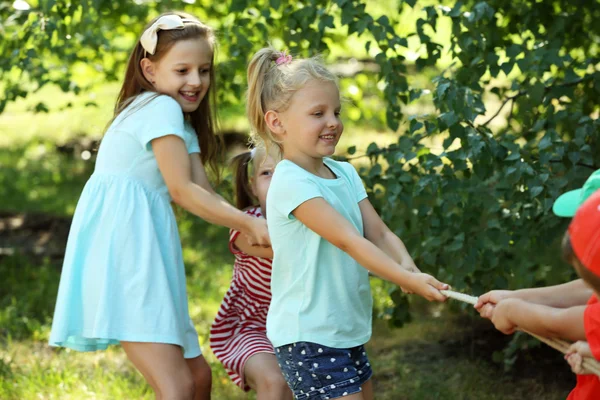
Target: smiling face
[(311, 127), (183, 72)]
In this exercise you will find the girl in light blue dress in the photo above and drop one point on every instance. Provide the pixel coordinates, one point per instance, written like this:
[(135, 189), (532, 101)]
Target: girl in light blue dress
[(123, 277)]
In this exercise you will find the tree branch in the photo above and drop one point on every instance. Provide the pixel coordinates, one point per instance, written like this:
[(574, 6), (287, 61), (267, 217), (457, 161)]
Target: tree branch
[(546, 90), (511, 98)]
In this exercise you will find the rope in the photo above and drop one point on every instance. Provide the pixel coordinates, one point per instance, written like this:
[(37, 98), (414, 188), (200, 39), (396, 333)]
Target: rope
[(589, 364)]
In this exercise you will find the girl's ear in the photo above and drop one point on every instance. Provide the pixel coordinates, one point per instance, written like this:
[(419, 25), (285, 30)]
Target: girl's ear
[(274, 122), (148, 69)]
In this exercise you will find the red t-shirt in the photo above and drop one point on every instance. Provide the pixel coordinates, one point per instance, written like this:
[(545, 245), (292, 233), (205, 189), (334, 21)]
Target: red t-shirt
[(588, 386)]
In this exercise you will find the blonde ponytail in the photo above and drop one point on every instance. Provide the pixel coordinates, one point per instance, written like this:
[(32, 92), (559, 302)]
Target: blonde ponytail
[(271, 87)]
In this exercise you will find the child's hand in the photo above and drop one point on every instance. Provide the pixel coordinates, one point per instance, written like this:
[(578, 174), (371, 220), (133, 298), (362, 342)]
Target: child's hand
[(575, 355), (576, 362), (500, 317), (259, 234), (487, 310), (410, 268), (426, 286), (487, 302), (582, 348)]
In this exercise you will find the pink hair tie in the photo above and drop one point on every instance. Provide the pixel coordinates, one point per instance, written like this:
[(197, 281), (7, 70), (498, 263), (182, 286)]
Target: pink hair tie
[(283, 58)]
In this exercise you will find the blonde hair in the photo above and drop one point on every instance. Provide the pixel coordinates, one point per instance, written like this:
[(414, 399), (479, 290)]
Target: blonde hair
[(271, 87)]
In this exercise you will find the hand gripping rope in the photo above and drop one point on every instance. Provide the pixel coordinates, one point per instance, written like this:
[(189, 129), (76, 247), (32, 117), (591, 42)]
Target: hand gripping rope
[(589, 364)]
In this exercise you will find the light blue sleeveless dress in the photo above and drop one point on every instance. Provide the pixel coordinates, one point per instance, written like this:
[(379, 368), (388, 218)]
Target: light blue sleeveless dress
[(123, 277)]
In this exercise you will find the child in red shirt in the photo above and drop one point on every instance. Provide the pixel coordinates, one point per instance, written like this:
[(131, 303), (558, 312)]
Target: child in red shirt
[(571, 310), (582, 245)]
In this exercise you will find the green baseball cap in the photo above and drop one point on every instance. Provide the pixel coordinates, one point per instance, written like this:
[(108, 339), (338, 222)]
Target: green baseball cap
[(568, 203)]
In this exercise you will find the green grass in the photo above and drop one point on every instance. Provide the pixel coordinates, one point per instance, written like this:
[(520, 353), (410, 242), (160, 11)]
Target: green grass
[(426, 359), (36, 178), (439, 358)]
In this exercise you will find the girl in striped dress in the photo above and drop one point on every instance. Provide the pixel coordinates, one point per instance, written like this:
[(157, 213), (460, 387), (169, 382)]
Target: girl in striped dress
[(238, 335)]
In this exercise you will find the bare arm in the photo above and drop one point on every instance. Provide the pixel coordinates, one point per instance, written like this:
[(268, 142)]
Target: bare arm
[(377, 232), (565, 323), (199, 176), (324, 220), (574, 293), (242, 244), (200, 199)]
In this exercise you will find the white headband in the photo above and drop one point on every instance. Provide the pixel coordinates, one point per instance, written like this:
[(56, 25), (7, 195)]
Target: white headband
[(149, 38), (253, 153)]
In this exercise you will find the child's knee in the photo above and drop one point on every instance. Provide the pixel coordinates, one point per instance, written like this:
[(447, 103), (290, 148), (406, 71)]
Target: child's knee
[(203, 377), (272, 381), (183, 388)]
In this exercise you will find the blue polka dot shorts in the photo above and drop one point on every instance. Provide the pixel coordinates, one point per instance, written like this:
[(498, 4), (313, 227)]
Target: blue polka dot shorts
[(314, 371)]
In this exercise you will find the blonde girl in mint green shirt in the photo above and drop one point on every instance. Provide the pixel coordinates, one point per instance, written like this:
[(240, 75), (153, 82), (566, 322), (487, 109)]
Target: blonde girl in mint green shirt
[(325, 234)]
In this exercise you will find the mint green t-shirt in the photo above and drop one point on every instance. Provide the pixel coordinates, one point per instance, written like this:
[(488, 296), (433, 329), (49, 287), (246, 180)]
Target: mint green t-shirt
[(319, 293)]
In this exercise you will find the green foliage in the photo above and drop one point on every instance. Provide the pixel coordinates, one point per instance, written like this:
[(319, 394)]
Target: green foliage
[(476, 210), (27, 314)]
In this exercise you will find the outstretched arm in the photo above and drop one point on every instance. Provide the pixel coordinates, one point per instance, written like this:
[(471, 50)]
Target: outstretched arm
[(176, 168), (575, 293), (199, 176), (565, 323), (324, 220), (377, 232)]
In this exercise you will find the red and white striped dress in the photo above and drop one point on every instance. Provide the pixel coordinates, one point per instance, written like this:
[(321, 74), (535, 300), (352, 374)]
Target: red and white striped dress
[(239, 330)]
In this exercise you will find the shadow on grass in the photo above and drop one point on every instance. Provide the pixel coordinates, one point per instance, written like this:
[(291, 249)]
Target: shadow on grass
[(451, 357)]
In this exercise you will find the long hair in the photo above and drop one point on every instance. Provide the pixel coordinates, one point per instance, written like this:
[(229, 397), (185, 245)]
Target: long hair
[(271, 87), (241, 181), (203, 119)]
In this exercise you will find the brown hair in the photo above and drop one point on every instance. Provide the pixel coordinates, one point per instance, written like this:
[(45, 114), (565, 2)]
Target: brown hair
[(569, 256), (271, 87), (245, 165), (203, 119), (241, 181)]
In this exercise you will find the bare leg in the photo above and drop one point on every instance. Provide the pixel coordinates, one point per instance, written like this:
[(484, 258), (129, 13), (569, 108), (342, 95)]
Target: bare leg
[(202, 376), (164, 368), (367, 390), (262, 374)]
